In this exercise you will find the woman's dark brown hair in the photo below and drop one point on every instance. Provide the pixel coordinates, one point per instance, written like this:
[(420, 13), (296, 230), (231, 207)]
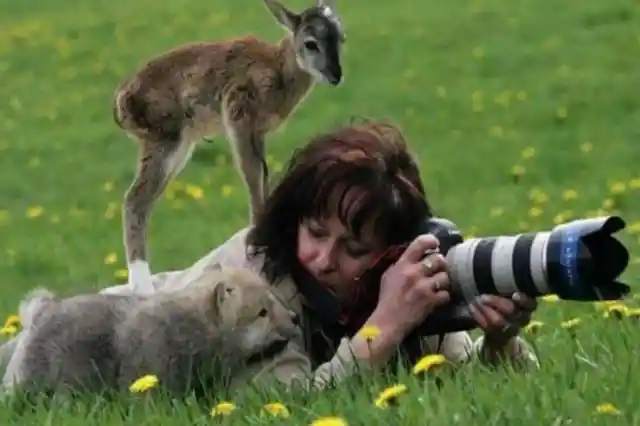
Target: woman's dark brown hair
[(371, 158)]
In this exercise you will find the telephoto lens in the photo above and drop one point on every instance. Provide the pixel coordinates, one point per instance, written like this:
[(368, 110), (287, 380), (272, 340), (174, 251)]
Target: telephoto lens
[(578, 260)]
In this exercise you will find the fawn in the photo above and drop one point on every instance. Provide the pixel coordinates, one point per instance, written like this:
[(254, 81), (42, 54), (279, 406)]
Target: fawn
[(242, 88)]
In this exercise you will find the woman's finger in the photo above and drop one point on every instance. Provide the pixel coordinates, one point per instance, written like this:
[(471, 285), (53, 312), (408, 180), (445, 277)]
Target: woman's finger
[(427, 286), (494, 318), (477, 313), (525, 302), (433, 263), (504, 306), (415, 251)]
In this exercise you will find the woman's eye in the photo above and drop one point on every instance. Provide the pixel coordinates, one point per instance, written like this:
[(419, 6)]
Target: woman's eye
[(263, 312), (357, 252), (315, 231)]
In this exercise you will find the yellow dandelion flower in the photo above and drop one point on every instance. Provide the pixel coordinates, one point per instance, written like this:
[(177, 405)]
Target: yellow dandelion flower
[(122, 274), (108, 186), (330, 421), (276, 409), (570, 324), (194, 192), (12, 321), (608, 204), (428, 362), (607, 408), (112, 209), (227, 190), (569, 194), (562, 217), (550, 298), (618, 188), (634, 183), (496, 212), (504, 98), (586, 147), (535, 212), (634, 228), (369, 332), (9, 331), (518, 170), (389, 395), (616, 310), (533, 327), (538, 196), (144, 383), (223, 409), (111, 259), (33, 212), (633, 312), (528, 152), (604, 304)]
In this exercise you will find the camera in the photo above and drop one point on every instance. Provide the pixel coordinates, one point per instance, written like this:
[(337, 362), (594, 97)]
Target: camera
[(578, 260)]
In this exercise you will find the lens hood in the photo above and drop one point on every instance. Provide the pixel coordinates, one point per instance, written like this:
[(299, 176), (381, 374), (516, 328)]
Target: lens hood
[(585, 260)]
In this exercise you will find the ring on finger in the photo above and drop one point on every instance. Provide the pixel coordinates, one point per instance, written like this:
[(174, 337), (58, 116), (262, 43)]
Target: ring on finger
[(428, 265)]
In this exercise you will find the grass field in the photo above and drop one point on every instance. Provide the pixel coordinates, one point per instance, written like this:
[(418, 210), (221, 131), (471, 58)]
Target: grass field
[(524, 114)]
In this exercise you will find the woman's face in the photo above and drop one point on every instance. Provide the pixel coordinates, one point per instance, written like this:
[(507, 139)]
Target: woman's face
[(335, 257)]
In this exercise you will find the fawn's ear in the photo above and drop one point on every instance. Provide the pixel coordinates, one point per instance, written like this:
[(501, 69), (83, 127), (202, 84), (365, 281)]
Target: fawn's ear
[(331, 4), (288, 19)]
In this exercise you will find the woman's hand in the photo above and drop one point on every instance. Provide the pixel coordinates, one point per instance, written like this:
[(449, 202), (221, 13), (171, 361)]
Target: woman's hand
[(413, 287), (502, 318)]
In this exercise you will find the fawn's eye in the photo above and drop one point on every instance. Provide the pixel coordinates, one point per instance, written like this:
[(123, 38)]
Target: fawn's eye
[(311, 45), (263, 312)]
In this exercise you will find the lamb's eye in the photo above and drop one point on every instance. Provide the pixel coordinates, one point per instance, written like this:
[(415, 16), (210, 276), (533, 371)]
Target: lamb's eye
[(263, 312)]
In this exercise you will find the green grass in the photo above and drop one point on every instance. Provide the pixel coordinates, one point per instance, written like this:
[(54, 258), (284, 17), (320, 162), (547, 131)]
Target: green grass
[(478, 86)]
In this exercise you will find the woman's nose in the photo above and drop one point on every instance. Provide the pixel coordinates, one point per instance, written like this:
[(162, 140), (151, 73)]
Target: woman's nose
[(324, 258)]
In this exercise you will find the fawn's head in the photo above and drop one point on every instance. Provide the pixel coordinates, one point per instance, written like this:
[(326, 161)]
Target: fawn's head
[(317, 38)]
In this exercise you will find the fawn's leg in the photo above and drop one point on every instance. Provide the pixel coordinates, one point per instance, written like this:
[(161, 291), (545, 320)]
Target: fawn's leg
[(241, 116), (158, 163), (249, 153)]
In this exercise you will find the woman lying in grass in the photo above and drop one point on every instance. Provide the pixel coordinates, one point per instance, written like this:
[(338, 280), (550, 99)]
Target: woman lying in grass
[(345, 198)]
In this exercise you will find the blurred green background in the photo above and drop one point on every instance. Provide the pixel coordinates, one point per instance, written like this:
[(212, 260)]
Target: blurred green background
[(523, 113)]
